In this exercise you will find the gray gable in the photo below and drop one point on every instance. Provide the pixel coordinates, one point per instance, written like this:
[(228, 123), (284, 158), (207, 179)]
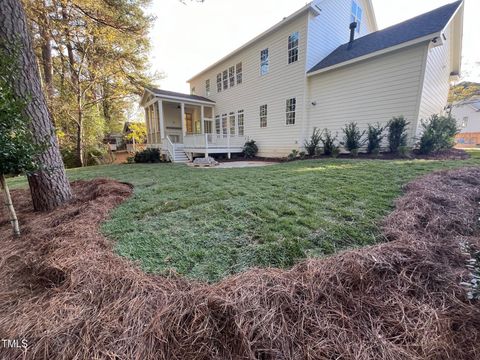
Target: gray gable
[(418, 27), (179, 95)]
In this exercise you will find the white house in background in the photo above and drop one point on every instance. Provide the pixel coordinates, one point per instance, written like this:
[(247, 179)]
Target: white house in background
[(467, 114), (314, 69)]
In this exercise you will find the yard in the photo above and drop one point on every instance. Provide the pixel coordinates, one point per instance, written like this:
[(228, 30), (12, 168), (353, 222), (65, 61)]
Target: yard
[(209, 223)]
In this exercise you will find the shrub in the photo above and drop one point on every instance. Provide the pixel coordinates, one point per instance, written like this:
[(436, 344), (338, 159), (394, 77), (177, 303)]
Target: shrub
[(397, 133), (329, 146), (302, 154), (312, 145), (438, 134), (374, 138), (293, 155), (147, 156), (353, 138), (250, 149)]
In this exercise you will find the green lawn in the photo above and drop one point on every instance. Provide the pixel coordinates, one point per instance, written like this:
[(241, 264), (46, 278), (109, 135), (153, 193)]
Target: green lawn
[(208, 223)]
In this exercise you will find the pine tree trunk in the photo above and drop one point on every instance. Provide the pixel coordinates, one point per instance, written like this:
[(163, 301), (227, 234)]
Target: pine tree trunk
[(49, 187), (9, 206)]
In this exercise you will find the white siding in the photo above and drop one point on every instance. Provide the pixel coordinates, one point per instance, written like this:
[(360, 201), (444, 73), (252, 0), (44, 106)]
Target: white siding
[(473, 122), (331, 28), (370, 91), (282, 82)]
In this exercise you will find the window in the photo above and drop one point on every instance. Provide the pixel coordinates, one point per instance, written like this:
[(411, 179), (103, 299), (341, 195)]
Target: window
[(192, 91), (356, 15), (239, 73), (291, 105), (263, 116), (264, 62), (224, 125), (231, 76), (465, 122), (232, 124), (293, 48), (217, 125), (241, 123), (219, 82), (208, 127), (225, 80), (207, 87)]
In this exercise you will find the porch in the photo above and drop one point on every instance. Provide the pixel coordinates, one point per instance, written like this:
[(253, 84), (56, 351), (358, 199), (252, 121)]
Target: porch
[(184, 126)]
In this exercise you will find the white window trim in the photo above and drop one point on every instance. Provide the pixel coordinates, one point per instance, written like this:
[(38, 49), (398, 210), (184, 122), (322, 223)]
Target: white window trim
[(296, 47), (287, 112), (242, 114), (264, 62), (264, 115)]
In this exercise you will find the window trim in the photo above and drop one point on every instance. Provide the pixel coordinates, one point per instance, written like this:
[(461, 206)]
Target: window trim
[(224, 125), (231, 76), (207, 87), (264, 116), (218, 125), (293, 45), (225, 79), (358, 16), (233, 116), (241, 115), (291, 109), (219, 83), (264, 62), (239, 73)]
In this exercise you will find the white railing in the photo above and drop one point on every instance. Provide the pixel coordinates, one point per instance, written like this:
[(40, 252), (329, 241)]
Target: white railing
[(170, 149), (205, 141), (198, 141)]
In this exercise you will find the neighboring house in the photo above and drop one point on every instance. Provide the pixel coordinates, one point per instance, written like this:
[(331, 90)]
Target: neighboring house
[(314, 69), (467, 114)]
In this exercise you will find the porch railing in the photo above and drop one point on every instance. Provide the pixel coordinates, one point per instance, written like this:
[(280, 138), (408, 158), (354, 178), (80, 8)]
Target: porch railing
[(170, 147), (206, 141)]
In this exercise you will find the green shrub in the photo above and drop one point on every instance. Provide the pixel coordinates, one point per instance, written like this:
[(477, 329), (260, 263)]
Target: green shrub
[(250, 149), (147, 156), (293, 155), (302, 155), (438, 134), (313, 143), (329, 143), (353, 137), (374, 138), (397, 133)]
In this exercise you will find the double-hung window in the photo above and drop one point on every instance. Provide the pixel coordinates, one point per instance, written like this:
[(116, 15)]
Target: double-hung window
[(224, 125), (225, 80), (291, 108), (241, 123), (207, 87), (231, 76), (233, 127), (293, 47), (264, 62), (356, 15), (263, 116), (239, 73), (219, 82), (217, 125)]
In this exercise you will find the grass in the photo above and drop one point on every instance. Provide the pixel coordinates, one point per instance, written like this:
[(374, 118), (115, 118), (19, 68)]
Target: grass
[(209, 223)]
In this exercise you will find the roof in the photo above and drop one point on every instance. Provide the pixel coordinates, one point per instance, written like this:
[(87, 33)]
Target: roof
[(177, 95), (421, 26)]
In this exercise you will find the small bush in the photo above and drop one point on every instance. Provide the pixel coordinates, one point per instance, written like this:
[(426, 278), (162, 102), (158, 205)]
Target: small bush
[(302, 155), (397, 133), (438, 134), (147, 156), (374, 138), (329, 143), (353, 137), (293, 155), (250, 149), (313, 143)]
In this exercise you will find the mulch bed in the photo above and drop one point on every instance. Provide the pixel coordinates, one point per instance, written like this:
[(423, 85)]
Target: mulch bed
[(63, 289)]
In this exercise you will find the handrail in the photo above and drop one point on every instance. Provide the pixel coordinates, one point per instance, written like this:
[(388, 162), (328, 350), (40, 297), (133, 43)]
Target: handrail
[(170, 149)]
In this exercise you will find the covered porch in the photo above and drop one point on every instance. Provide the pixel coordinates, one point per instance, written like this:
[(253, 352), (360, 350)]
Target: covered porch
[(184, 126)]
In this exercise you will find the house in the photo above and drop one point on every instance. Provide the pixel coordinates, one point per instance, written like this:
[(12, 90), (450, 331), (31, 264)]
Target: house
[(467, 113), (322, 67)]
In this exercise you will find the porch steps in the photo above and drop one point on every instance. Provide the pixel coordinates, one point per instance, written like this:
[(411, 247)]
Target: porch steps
[(180, 156)]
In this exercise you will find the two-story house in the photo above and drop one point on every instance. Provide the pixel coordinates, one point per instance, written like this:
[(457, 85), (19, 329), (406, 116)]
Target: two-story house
[(322, 67)]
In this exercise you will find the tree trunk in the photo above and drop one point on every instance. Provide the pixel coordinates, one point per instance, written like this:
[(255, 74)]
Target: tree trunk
[(9, 206), (49, 186), (79, 145)]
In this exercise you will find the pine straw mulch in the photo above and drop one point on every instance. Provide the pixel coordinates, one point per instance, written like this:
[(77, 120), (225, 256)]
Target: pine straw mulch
[(63, 288)]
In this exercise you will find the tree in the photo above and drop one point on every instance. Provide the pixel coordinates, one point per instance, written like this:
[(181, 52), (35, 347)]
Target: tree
[(463, 91), (49, 186), (137, 133)]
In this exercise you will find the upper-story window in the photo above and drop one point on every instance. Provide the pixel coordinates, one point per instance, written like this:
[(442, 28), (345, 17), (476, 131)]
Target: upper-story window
[(264, 62), (293, 47), (192, 91), (207, 87), (291, 109), (225, 80), (356, 15), (219, 82), (263, 116), (239, 73), (231, 75)]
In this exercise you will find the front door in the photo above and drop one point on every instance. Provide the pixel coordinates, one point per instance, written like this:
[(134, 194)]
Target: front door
[(189, 122)]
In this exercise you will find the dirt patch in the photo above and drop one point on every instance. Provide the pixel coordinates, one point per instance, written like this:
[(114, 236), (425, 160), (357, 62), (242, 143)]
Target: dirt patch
[(65, 291)]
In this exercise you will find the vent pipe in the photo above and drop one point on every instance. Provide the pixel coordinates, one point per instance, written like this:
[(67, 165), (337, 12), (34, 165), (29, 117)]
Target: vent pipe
[(353, 26)]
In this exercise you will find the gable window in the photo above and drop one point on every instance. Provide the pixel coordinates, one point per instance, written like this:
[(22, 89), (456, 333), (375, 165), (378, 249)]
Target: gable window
[(192, 91), (217, 125), (264, 62), (219, 82), (224, 125), (225, 80), (231, 76), (357, 14), (239, 73), (263, 116), (293, 47), (291, 108), (241, 123), (207, 87)]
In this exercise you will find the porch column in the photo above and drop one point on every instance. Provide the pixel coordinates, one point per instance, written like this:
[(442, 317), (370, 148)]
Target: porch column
[(184, 130), (202, 119), (160, 115)]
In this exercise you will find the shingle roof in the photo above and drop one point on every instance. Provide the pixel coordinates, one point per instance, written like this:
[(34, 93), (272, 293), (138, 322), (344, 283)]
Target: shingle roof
[(179, 95), (418, 27)]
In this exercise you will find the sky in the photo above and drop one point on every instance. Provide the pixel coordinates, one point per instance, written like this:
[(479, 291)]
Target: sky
[(186, 38)]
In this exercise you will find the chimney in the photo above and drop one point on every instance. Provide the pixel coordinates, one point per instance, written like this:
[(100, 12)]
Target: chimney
[(353, 26)]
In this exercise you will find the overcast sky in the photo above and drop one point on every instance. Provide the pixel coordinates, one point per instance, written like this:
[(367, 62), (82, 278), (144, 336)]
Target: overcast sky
[(188, 38)]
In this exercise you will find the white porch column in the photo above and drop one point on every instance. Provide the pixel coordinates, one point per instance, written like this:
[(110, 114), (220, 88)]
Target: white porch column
[(162, 122), (202, 119), (184, 129)]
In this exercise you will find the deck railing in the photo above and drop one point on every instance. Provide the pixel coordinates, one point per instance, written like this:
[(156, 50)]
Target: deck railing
[(170, 149), (206, 141)]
